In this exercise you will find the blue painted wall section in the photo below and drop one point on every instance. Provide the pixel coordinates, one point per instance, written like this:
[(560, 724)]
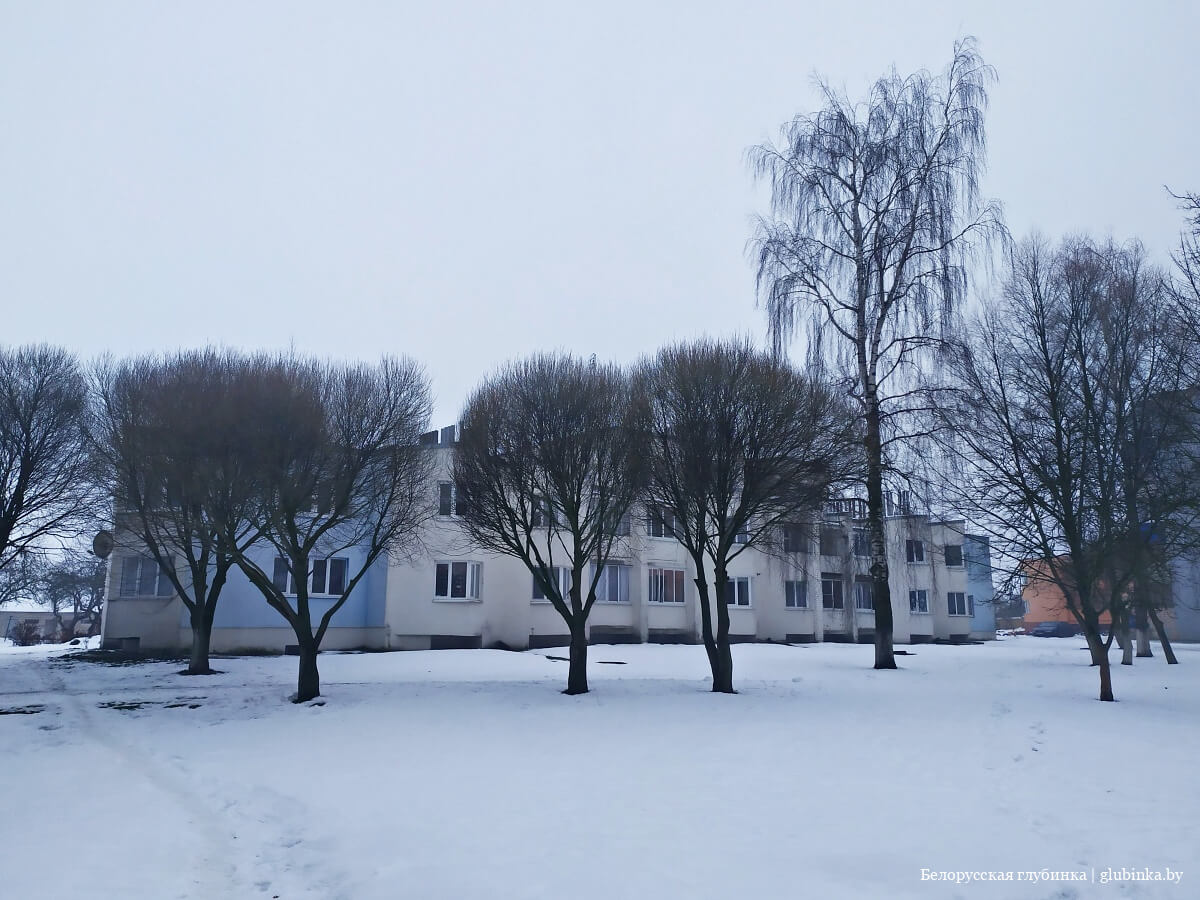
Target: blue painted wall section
[(977, 556)]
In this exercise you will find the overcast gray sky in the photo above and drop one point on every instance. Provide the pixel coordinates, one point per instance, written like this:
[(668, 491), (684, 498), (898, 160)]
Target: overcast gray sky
[(467, 182)]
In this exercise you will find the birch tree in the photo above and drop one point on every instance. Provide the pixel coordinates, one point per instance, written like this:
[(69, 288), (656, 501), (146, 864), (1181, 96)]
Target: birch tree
[(874, 214)]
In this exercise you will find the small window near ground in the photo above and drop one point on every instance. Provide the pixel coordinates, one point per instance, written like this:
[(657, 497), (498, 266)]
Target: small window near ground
[(864, 599), (665, 585), (612, 585), (737, 592), (560, 577), (831, 591), (141, 576), (795, 594), (456, 580), (956, 603), (918, 601)]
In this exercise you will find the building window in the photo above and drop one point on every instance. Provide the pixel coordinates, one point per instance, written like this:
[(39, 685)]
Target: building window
[(956, 603), (622, 529), (141, 576), (864, 597), (457, 580), (660, 521), (862, 544), (561, 578), (831, 541), (737, 592), (452, 500), (954, 556), (795, 594), (795, 539), (831, 591), (918, 601), (327, 577), (971, 605), (666, 586), (542, 514), (914, 551), (613, 584)]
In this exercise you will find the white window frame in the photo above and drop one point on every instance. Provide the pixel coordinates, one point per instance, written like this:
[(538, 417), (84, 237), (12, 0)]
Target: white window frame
[(656, 586), (280, 566), (870, 598), (163, 588), (798, 590), (624, 525), (622, 572), (914, 551), (562, 577), (839, 538), (833, 578), (665, 517), (794, 539), (916, 599), (971, 605), (956, 600), (735, 585), (472, 586), (453, 499), (860, 543), (542, 514)]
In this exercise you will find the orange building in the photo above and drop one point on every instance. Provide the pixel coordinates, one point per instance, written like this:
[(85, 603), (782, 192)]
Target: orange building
[(1044, 600)]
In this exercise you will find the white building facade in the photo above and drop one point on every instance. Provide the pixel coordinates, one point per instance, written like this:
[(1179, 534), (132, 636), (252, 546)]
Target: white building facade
[(811, 585)]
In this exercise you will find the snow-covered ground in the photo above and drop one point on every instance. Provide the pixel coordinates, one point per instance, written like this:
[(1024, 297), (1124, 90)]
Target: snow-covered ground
[(466, 774)]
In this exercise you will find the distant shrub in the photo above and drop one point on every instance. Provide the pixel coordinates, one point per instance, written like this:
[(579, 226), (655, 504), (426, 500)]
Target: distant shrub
[(26, 633)]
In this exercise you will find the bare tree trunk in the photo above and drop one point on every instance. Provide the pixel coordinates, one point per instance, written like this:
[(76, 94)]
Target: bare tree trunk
[(722, 671), (1168, 651), (1095, 645), (706, 628), (1091, 630), (1125, 642), (308, 682), (1106, 692), (577, 682), (885, 657), (1143, 633), (202, 620)]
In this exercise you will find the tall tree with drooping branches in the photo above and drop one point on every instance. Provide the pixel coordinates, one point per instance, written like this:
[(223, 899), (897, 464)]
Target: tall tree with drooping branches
[(875, 214)]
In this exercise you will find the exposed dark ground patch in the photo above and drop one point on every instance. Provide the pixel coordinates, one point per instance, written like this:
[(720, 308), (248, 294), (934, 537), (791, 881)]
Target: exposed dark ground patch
[(30, 710), (129, 705)]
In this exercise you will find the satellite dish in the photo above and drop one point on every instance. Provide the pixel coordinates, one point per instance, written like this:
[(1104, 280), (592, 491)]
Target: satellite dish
[(102, 544)]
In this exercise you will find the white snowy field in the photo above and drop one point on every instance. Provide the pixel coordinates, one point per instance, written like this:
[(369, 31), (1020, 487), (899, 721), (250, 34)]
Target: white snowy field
[(466, 774)]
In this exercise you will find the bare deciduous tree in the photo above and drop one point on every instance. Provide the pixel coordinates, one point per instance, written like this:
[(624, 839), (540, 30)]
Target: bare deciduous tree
[(73, 587), (174, 438), (1061, 428), (338, 473), (875, 211), (740, 445), (548, 464), (1187, 257), (48, 492)]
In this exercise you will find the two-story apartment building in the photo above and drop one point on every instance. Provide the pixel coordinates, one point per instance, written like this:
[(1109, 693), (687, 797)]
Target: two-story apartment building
[(810, 584)]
